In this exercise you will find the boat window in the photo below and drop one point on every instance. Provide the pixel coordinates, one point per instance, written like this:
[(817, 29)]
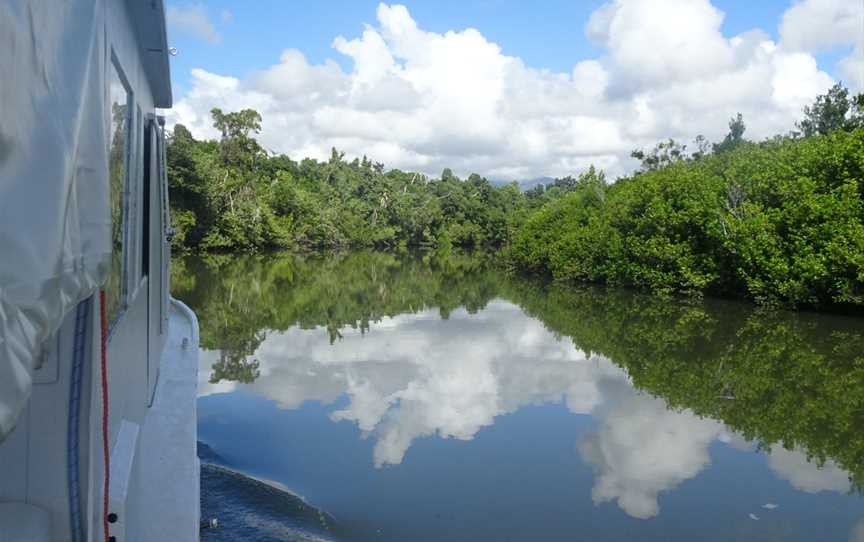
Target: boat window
[(145, 228), (119, 102), (164, 228), (135, 223)]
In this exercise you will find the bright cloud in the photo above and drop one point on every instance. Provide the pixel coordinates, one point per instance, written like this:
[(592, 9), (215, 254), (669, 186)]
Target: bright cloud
[(852, 69), (814, 26), (423, 100), (193, 19), (655, 42), (819, 25)]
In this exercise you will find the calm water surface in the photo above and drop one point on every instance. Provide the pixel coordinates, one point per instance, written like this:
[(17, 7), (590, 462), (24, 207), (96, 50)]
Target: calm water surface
[(418, 398)]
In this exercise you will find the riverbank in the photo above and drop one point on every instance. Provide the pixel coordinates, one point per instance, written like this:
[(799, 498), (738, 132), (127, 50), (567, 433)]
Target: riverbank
[(779, 222)]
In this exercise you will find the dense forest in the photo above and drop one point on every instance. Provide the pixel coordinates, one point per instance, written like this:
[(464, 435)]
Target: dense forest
[(232, 195), (779, 221)]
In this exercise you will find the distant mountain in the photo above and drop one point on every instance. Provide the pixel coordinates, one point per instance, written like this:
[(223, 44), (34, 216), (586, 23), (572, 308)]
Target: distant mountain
[(527, 184)]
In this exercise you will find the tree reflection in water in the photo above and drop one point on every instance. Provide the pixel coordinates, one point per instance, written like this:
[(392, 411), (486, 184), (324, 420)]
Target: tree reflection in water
[(297, 327)]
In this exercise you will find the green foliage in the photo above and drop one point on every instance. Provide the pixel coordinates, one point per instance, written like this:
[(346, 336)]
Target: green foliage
[(236, 147), (794, 223), (535, 244), (663, 154), (230, 195), (780, 222), (834, 110), (735, 136)]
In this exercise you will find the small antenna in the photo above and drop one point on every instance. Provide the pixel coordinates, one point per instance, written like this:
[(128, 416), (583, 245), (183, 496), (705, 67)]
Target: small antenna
[(173, 51)]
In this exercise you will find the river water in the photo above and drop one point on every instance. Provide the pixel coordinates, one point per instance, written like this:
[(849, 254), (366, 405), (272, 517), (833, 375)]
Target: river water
[(372, 396)]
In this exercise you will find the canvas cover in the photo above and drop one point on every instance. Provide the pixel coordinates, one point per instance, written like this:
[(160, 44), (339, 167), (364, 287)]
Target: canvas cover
[(54, 213)]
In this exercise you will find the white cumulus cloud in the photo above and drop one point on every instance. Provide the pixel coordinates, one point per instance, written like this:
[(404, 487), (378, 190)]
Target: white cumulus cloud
[(819, 25), (852, 69), (654, 42), (424, 100), (815, 26)]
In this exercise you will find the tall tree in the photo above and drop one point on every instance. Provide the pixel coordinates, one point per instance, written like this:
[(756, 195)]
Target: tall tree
[(663, 154), (703, 147), (735, 136), (834, 110), (237, 146)]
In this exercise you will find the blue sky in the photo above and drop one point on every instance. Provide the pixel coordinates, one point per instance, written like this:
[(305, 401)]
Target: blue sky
[(552, 101), (549, 36)]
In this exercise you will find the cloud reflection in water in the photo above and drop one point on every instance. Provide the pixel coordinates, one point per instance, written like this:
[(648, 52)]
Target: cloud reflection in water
[(416, 375)]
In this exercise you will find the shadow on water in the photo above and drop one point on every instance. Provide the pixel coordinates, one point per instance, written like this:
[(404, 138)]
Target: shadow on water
[(251, 509)]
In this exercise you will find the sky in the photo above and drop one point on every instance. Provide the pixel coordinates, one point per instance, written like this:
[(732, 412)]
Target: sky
[(508, 89)]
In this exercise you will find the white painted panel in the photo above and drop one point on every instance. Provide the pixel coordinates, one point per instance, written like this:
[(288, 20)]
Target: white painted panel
[(13, 463), (20, 522)]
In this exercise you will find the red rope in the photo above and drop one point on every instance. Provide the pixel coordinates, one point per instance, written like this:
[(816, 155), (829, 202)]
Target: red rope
[(105, 452)]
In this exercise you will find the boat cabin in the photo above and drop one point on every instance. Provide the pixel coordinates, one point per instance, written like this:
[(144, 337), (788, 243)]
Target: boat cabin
[(98, 364)]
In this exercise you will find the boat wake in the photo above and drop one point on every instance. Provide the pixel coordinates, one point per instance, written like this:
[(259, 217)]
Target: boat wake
[(251, 509)]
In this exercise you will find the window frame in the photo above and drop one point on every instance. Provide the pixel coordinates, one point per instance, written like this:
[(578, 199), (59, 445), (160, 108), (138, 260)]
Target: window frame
[(133, 225), (128, 164), (165, 231)]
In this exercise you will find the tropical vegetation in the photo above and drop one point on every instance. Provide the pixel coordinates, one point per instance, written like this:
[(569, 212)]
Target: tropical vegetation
[(779, 221), (232, 195)]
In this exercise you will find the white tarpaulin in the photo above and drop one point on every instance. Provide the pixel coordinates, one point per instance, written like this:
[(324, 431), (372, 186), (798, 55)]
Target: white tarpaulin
[(54, 213)]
